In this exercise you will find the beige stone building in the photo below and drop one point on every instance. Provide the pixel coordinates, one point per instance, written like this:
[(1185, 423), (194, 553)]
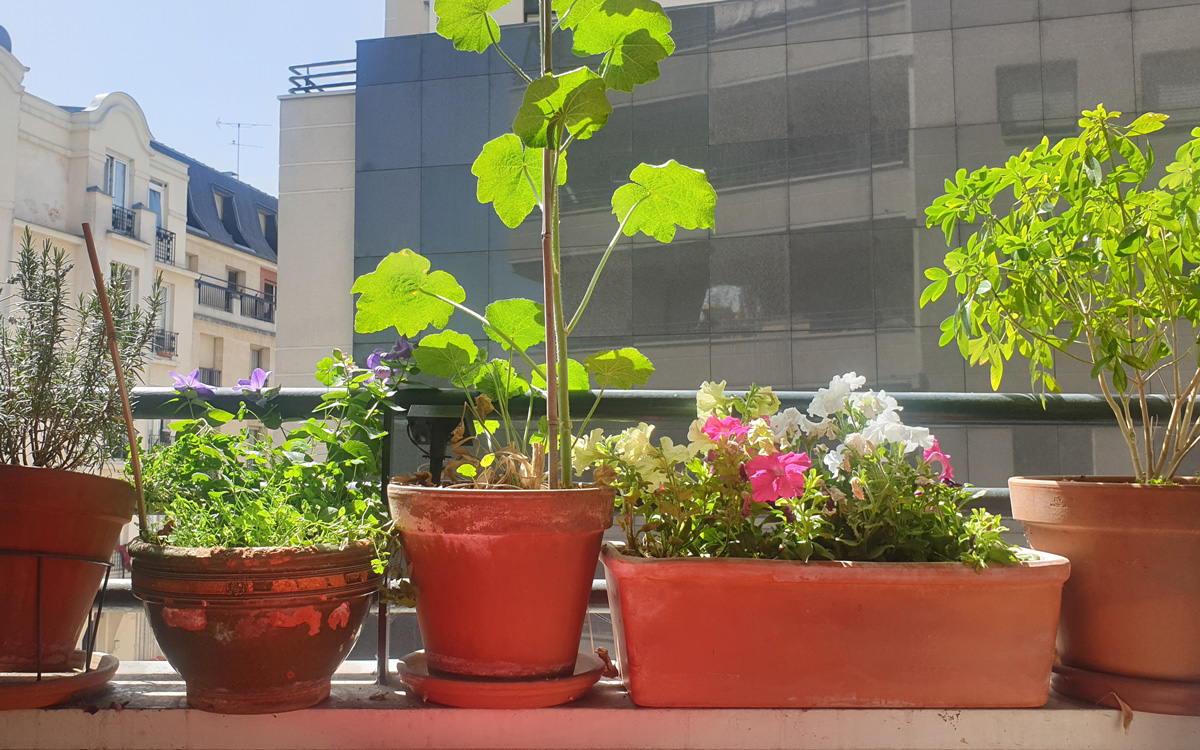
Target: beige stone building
[(155, 213)]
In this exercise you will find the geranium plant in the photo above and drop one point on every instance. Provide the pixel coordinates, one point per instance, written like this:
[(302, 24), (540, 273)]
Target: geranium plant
[(320, 484), (1076, 258), (518, 172), (846, 481)]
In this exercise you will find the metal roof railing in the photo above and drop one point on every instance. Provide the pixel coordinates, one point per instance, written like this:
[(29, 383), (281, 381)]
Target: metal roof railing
[(309, 78)]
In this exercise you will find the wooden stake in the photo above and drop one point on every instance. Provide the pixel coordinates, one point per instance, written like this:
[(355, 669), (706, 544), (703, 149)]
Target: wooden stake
[(115, 351)]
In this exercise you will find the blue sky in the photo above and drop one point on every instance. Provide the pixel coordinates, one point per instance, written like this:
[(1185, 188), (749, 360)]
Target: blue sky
[(188, 63)]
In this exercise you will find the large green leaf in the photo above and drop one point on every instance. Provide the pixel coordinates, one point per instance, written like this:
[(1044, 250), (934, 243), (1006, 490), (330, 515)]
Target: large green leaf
[(634, 35), (510, 177), (446, 354), (661, 197), (499, 381), (521, 320), (577, 377), (623, 368), (468, 23), (573, 102), (398, 293)]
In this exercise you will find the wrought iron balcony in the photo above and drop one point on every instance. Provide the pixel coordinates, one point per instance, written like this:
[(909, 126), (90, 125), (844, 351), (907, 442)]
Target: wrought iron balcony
[(164, 246), (215, 295), (165, 343), (209, 376), (122, 220), (249, 303), (259, 308)]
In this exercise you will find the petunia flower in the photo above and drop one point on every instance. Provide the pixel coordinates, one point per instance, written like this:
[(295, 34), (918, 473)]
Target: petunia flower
[(786, 422), (191, 383), (729, 427), (934, 454), (832, 400), (711, 398), (777, 475)]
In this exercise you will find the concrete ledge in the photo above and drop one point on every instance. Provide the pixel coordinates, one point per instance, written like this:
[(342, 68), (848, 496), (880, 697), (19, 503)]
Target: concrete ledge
[(144, 709)]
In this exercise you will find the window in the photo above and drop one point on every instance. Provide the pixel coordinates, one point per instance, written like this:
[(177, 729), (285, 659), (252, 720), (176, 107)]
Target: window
[(221, 199), (270, 228), (156, 202), (116, 181), (269, 291), (127, 276), (227, 213), (260, 359), (166, 313)]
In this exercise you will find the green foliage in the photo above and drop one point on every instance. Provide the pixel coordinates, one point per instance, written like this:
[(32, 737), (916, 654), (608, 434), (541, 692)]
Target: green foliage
[(516, 173), (1077, 258), (59, 402), (319, 485)]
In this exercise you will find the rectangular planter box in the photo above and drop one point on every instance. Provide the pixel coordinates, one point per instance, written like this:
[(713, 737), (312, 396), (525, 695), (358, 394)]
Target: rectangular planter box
[(734, 633)]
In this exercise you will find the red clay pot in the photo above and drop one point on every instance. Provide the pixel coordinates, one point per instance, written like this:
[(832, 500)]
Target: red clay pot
[(502, 576), (60, 513), (255, 630), (734, 633), (1132, 606)]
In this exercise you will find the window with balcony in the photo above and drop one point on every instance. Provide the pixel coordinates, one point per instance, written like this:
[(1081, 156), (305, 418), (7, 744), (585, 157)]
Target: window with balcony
[(116, 184), (166, 341), (164, 240)]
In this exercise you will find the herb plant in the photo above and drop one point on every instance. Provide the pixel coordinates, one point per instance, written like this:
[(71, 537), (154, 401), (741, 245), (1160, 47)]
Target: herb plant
[(853, 483), (59, 403), (320, 485), (518, 172), (1078, 259)]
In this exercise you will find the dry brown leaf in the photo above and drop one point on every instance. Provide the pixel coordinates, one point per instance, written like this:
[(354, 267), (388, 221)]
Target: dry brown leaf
[(1126, 713), (610, 669)]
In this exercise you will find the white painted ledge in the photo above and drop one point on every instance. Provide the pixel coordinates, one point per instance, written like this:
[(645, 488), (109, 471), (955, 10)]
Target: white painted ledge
[(152, 715)]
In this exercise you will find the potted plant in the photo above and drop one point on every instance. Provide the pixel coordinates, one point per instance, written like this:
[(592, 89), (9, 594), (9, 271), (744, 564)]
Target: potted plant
[(60, 416), (270, 556), (781, 561), (503, 565), (1078, 259)]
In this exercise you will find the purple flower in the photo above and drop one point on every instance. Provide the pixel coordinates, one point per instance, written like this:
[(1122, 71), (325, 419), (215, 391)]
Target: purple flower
[(381, 372), (257, 381), (191, 382), (402, 350)]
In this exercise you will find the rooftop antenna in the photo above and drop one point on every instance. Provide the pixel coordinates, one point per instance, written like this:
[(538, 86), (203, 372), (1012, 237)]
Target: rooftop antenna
[(238, 141)]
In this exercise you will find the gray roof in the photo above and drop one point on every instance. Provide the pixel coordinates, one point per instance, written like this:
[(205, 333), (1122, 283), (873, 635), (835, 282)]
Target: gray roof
[(203, 183)]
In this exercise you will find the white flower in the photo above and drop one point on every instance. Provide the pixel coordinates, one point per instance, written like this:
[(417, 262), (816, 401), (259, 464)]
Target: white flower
[(633, 442), (832, 400), (834, 459), (859, 442), (760, 436), (826, 428), (873, 404), (585, 453), (786, 422), (711, 398)]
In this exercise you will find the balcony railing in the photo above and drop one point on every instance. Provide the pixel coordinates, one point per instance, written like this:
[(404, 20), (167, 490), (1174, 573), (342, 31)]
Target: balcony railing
[(165, 343), (235, 298), (259, 308), (209, 376), (214, 295), (310, 78), (164, 246), (122, 220)]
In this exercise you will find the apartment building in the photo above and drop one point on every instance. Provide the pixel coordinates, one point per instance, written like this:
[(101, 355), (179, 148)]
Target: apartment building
[(155, 213)]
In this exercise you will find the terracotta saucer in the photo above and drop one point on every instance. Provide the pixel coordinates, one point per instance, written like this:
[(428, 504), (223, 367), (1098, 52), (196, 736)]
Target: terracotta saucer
[(469, 692), (22, 690), (1152, 696)]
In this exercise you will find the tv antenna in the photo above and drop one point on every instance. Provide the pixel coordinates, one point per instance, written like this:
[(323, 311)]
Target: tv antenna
[(238, 141)]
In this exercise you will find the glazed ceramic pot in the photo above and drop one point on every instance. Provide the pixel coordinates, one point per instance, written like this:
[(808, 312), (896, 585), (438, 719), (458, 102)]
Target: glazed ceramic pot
[(73, 521), (255, 630), (736, 633), (1132, 606), (502, 576)]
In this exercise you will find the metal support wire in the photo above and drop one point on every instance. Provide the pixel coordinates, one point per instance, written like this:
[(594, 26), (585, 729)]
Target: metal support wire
[(385, 474), (93, 622)]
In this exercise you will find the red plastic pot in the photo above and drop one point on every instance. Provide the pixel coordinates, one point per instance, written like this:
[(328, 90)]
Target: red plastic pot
[(731, 633), (1132, 606), (255, 630), (502, 576), (75, 519)]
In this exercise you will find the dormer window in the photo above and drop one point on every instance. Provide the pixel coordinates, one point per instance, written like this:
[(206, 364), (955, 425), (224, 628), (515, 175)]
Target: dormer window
[(270, 228), (227, 213), (222, 208)]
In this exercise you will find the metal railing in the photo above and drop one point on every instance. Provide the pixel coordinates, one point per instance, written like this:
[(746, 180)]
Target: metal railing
[(309, 78), (122, 220), (165, 343), (209, 376), (235, 298), (164, 245), (259, 308), (214, 295)]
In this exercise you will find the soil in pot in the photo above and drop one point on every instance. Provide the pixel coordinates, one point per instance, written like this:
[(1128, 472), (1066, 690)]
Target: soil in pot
[(1132, 606), (737, 633), (74, 520), (502, 576), (255, 630)]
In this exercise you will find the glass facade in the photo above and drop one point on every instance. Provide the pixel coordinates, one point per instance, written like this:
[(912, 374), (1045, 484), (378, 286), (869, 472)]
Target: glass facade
[(826, 127)]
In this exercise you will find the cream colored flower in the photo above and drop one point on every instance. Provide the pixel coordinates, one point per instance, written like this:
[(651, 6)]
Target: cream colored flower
[(786, 422), (764, 403), (825, 429), (633, 442), (586, 453), (711, 399), (760, 436), (698, 442)]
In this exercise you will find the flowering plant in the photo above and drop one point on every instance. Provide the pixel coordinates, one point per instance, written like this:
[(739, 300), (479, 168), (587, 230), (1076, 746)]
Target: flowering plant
[(846, 481)]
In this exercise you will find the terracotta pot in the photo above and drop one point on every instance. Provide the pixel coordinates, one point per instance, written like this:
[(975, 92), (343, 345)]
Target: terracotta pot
[(502, 576), (77, 517), (1132, 606), (255, 630), (737, 633)]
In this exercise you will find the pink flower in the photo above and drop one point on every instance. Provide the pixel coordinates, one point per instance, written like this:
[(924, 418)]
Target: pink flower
[(777, 475), (731, 427), (934, 455)]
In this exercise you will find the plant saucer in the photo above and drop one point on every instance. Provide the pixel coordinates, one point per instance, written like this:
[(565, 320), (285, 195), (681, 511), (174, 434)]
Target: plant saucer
[(477, 692), (23, 690), (1151, 696)]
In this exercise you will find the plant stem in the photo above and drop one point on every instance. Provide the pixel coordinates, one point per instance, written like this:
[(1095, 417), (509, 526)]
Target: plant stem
[(564, 383), (549, 208), (496, 44), (587, 296), (482, 319)]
